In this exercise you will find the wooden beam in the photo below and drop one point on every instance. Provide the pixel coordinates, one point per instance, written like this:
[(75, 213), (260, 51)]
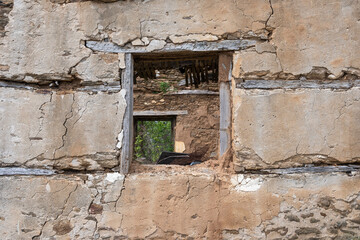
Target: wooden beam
[(193, 92), (224, 45), (158, 113), (224, 67), (127, 142)]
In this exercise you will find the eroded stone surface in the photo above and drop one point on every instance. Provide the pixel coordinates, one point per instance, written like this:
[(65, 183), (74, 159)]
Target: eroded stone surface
[(311, 37), (299, 40), (101, 67), (286, 128), (184, 205), (76, 130), (53, 42)]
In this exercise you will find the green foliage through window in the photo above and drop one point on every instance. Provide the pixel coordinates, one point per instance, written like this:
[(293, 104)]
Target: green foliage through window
[(152, 138)]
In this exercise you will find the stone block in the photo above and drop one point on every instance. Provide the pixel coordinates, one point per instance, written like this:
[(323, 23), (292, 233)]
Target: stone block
[(288, 128), (66, 130)]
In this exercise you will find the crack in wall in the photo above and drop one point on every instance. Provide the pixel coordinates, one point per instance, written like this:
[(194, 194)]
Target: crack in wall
[(267, 27), (42, 117), (67, 117)]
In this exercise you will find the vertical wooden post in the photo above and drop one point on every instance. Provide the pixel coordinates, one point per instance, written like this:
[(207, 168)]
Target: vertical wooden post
[(224, 70), (127, 144), (186, 77)]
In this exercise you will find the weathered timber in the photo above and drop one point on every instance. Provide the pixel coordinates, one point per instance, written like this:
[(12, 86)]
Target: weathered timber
[(186, 77), (225, 45), (312, 169), (225, 66), (8, 171), (158, 113), (127, 85), (15, 85), (293, 84), (101, 88), (193, 92)]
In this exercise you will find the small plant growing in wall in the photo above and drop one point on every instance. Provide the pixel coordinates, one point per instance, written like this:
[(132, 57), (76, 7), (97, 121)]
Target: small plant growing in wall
[(164, 87)]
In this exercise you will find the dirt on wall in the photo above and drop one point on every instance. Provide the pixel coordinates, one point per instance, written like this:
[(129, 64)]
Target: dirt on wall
[(196, 132)]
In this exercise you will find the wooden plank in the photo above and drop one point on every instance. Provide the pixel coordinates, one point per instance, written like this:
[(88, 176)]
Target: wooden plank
[(206, 74), (313, 169), (225, 62), (194, 73), (191, 77), (224, 67), (213, 67), (158, 113), (10, 171), (193, 92), (127, 143), (224, 45), (294, 84)]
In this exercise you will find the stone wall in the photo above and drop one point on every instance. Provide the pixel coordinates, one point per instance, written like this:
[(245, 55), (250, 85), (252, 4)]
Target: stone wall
[(279, 128), (294, 90), (60, 129), (185, 205)]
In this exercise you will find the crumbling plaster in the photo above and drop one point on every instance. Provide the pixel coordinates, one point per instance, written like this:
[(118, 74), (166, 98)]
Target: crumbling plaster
[(77, 130), (48, 124), (302, 35), (51, 38), (184, 205), (291, 127), (44, 43)]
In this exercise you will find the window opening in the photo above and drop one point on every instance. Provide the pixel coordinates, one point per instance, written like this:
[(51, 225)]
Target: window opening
[(152, 137), (176, 83)]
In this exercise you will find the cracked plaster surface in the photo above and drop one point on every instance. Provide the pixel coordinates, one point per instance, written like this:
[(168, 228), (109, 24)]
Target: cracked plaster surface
[(302, 35), (55, 129), (283, 128), (323, 35), (53, 33), (297, 41), (111, 205)]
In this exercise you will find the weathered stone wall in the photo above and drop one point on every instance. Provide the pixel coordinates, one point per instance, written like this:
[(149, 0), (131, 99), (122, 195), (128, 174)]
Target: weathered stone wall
[(184, 205), (60, 129), (288, 40), (295, 86), (292, 127), (302, 35)]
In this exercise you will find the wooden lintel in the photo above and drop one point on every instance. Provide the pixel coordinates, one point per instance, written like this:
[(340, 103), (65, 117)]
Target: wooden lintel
[(224, 45), (158, 113)]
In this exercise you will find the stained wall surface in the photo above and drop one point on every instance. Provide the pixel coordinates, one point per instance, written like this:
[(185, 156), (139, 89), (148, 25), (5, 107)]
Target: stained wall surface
[(295, 102), (192, 205), (43, 43)]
